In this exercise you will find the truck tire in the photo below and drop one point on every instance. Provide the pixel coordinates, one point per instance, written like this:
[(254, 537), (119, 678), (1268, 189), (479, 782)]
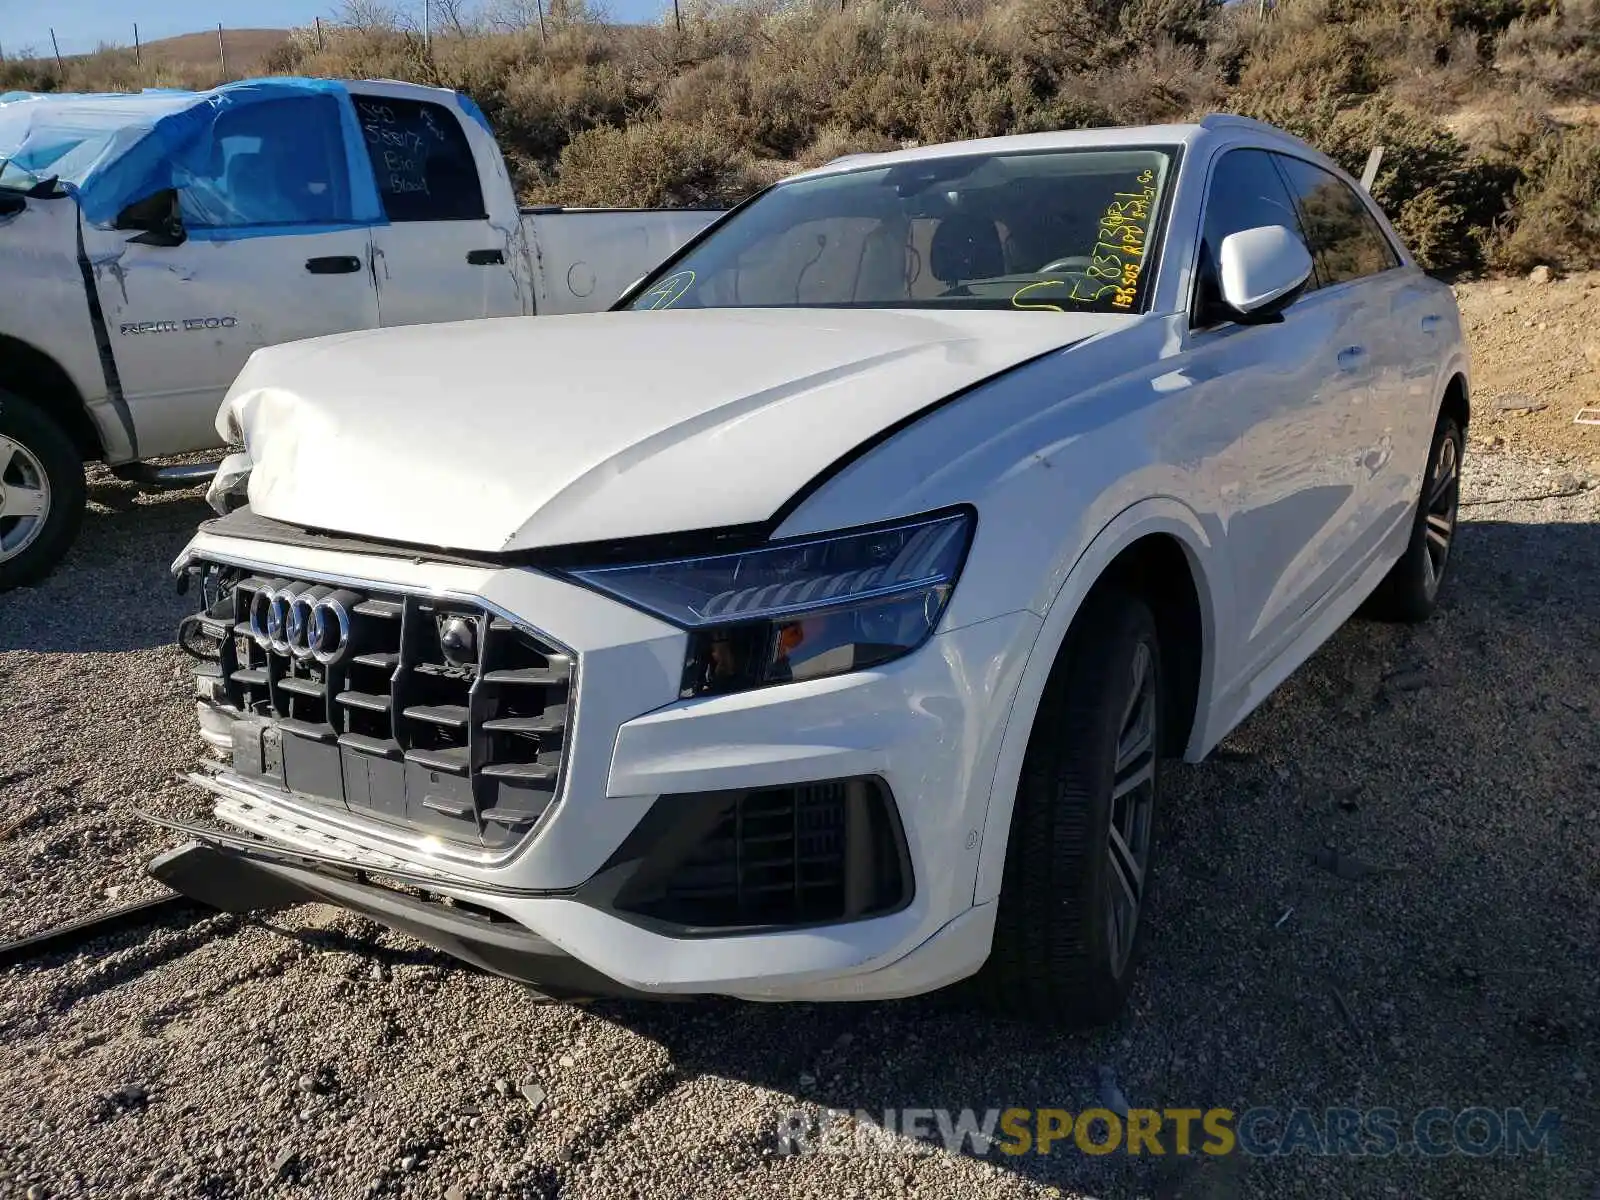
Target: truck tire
[(1410, 591), (1065, 945), (42, 493)]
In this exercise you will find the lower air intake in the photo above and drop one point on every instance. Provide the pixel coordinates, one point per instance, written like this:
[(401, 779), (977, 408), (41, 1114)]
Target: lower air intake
[(808, 854)]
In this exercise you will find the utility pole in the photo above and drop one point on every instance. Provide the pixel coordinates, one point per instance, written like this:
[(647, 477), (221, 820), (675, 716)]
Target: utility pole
[(137, 61), (319, 32), (61, 72), (677, 16), (427, 25), (222, 51), (544, 39)]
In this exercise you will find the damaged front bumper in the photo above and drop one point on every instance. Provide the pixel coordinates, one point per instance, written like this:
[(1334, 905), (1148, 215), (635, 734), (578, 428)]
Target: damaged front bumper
[(881, 776), (567, 943), (233, 878)]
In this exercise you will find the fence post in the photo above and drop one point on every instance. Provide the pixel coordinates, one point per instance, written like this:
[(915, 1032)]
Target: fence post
[(319, 32), (137, 58), (61, 72), (543, 37), (677, 16), (222, 51)]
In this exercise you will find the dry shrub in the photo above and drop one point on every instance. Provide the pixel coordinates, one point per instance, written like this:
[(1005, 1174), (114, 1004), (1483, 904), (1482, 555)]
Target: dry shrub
[(1304, 61), (1093, 35), (1560, 49), (766, 112), (605, 114), (1164, 81), (835, 141), (650, 164), (1558, 210)]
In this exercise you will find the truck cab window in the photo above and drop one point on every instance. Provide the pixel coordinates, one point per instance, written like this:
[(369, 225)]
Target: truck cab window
[(421, 160), (275, 162)]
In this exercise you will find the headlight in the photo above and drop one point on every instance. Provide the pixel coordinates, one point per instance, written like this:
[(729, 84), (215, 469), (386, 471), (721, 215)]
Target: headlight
[(800, 609)]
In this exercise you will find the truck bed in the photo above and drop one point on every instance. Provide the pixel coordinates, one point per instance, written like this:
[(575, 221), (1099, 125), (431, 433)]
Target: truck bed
[(584, 258)]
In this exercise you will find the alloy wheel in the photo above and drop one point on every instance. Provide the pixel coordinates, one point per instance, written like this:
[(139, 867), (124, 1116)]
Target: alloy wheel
[(1133, 792), (24, 498), (1441, 505)]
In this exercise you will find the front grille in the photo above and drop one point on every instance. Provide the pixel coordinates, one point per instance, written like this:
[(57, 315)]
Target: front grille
[(807, 854), (432, 714)]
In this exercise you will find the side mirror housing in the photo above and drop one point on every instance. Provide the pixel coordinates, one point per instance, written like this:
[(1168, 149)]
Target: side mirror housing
[(1262, 271), (158, 219)]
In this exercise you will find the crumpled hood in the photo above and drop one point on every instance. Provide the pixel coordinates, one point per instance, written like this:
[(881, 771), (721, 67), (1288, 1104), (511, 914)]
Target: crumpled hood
[(524, 432)]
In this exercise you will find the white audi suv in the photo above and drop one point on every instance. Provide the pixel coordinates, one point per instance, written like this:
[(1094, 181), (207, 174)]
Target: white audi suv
[(814, 624)]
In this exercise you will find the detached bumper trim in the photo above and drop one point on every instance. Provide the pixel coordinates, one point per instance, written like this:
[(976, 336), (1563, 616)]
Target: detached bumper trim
[(236, 881)]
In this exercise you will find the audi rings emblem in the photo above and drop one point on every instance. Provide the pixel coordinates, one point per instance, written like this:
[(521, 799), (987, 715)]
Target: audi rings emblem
[(313, 623)]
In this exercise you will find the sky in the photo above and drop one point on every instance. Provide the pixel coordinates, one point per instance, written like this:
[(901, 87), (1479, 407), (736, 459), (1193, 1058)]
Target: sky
[(81, 25)]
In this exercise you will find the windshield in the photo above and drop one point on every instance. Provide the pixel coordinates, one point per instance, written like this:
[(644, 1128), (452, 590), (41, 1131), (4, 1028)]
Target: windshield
[(1058, 231)]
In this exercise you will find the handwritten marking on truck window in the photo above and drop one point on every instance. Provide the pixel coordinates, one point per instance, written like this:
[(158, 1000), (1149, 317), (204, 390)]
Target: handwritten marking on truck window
[(400, 153), (669, 291)]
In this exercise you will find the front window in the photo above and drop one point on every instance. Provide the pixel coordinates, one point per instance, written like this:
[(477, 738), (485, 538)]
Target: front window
[(1053, 231)]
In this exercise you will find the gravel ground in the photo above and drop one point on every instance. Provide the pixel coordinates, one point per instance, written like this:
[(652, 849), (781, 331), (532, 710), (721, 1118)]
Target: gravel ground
[(1453, 768)]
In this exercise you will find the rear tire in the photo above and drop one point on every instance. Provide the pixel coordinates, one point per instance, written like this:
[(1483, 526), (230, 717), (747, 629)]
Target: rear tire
[(1082, 830), (42, 494), (1410, 591)]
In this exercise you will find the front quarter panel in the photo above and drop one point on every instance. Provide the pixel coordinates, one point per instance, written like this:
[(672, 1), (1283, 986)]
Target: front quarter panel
[(1068, 461), (1049, 454)]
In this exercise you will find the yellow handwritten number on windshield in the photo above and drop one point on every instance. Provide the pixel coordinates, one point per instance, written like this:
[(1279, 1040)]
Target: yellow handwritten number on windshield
[(1118, 255)]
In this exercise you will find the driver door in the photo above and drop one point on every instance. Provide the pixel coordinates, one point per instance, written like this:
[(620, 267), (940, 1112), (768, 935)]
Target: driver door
[(269, 254), (1288, 485)]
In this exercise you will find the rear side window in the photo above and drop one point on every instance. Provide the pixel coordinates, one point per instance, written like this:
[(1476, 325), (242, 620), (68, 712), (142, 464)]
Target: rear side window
[(1344, 237), (421, 160)]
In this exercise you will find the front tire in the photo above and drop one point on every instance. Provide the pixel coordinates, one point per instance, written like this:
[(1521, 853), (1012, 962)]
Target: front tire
[(1410, 591), (42, 494), (1082, 837)]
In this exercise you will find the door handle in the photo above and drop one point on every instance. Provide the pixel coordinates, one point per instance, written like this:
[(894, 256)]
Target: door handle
[(1351, 357), (486, 258), (334, 264)]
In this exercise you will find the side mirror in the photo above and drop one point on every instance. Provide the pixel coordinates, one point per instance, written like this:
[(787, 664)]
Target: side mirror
[(157, 216), (1262, 271)]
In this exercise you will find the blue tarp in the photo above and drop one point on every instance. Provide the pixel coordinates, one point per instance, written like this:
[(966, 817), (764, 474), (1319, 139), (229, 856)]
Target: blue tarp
[(244, 157)]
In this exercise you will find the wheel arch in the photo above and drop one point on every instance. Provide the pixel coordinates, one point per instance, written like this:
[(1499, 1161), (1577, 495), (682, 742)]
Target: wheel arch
[(1455, 401), (29, 372), (1160, 548)]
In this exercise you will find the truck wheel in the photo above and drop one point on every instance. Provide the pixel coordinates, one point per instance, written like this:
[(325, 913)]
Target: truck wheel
[(1078, 858), (41, 492), (1410, 591)]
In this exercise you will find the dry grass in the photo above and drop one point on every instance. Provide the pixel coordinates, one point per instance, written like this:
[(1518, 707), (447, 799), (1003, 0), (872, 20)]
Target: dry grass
[(1482, 105)]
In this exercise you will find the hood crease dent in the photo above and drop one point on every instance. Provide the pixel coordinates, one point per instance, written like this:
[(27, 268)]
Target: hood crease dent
[(522, 433)]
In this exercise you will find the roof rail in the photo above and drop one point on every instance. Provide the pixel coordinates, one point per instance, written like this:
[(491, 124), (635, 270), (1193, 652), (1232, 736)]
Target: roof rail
[(1234, 121)]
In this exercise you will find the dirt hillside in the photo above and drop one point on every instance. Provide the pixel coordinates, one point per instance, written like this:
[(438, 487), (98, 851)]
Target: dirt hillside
[(247, 49), (1536, 366)]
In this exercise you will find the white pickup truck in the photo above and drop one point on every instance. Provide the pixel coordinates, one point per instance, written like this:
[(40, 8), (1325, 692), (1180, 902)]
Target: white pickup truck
[(150, 243)]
